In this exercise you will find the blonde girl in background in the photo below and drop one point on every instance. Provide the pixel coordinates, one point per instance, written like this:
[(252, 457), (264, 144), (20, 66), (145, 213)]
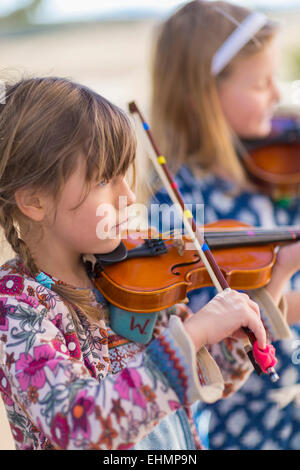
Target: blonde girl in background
[(68, 381), (214, 73)]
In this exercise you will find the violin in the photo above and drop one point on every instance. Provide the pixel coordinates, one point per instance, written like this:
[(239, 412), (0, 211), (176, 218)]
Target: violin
[(150, 275), (263, 361), (273, 163)]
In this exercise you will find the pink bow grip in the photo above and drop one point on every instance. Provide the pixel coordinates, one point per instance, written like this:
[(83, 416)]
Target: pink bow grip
[(264, 357)]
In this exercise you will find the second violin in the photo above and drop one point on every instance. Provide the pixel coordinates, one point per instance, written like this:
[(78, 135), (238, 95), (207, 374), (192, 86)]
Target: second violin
[(273, 163)]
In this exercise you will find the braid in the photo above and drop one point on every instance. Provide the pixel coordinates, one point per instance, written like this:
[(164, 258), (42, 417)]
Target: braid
[(17, 244), (46, 124), (71, 297)]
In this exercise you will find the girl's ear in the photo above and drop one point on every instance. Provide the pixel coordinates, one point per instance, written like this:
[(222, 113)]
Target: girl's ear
[(31, 204)]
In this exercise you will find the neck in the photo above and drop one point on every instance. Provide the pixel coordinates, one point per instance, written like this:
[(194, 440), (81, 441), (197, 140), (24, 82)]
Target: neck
[(238, 237)]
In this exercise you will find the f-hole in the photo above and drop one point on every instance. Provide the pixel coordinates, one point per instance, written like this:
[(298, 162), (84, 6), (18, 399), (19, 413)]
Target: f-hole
[(180, 265)]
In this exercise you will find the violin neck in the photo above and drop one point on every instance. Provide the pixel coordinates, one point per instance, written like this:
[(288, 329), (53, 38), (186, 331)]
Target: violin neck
[(251, 237)]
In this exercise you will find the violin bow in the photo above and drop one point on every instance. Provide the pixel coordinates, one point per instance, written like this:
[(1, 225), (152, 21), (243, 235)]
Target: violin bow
[(263, 361)]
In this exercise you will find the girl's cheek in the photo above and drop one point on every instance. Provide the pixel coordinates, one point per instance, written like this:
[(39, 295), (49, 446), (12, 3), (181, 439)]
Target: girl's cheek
[(260, 124), (263, 103), (250, 120), (256, 109), (265, 113), (105, 221)]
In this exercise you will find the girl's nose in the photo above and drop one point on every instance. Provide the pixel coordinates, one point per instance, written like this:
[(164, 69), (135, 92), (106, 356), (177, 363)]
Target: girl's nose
[(275, 91), (127, 193)]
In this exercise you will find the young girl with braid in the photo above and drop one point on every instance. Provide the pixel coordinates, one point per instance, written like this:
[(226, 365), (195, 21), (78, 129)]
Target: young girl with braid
[(68, 381), (213, 84)]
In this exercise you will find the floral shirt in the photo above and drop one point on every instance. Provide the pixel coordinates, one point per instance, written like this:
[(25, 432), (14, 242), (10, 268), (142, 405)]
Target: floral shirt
[(261, 415), (88, 388)]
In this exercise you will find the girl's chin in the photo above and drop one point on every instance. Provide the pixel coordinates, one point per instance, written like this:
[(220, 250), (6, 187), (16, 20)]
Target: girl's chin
[(259, 132), (109, 245)]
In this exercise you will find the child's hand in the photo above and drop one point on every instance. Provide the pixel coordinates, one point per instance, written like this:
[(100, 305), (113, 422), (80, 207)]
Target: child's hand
[(287, 264), (223, 316), (288, 259)]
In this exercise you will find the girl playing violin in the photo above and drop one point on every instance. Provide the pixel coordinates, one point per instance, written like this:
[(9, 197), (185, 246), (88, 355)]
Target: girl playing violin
[(67, 380), (214, 84)]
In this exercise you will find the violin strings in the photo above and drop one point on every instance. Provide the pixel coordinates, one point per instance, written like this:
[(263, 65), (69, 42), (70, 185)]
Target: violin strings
[(249, 237)]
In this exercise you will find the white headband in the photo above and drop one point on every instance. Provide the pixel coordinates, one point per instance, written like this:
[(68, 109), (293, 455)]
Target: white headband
[(234, 43)]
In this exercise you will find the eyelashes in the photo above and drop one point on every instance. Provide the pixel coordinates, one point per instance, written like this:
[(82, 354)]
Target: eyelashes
[(103, 182)]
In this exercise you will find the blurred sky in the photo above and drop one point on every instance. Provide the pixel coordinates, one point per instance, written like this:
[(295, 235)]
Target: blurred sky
[(66, 10)]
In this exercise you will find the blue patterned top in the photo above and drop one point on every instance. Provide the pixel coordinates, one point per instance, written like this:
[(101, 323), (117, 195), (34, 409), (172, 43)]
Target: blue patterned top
[(249, 419)]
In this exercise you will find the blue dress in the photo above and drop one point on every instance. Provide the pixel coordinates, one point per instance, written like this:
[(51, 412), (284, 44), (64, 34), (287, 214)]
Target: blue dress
[(250, 419)]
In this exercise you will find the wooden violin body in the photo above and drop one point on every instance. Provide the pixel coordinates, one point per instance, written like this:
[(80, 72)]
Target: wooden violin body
[(152, 284), (273, 163)]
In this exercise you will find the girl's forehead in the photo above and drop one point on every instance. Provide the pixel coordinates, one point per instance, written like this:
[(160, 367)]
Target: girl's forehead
[(259, 64)]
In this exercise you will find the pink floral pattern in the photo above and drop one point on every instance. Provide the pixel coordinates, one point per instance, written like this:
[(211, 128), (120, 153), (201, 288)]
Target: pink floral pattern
[(65, 388), (11, 285), (28, 300), (128, 385), (60, 430), (5, 389), (83, 407), (73, 345), (3, 316), (30, 370)]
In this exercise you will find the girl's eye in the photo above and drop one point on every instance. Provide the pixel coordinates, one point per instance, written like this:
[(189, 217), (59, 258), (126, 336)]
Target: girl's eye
[(102, 182)]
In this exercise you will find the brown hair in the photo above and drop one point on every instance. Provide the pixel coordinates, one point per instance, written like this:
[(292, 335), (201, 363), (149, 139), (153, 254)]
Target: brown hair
[(45, 123), (186, 115)]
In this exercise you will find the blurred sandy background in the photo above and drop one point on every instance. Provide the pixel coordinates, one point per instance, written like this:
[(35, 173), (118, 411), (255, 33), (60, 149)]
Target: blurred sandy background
[(112, 58)]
